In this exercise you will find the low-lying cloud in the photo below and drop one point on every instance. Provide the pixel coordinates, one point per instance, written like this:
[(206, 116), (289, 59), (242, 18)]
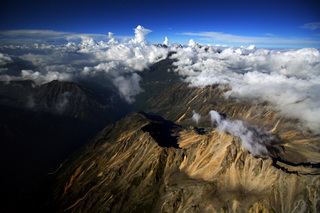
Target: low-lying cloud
[(253, 139), (196, 117), (289, 79), (62, 102), (128, 86)]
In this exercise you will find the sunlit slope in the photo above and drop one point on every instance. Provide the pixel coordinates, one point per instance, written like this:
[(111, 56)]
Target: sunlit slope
[(177, 102), (131, 167)]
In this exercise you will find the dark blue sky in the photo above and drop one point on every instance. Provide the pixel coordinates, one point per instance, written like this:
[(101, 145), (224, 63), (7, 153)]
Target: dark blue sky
[(234, 22)]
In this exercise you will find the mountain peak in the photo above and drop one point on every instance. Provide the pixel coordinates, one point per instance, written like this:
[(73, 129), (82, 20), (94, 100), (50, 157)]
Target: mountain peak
[(207, 171)]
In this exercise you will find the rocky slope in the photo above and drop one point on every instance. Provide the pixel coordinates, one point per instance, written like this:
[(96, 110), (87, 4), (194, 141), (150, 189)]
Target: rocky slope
[(145, 163), (177, 102)]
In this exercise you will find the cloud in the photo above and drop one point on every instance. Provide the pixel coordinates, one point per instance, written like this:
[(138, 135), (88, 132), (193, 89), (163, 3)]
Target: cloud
[(253, 139), (112, 39), (140, 32), (34, 33), (31, 102), (85, 37), (293, 97), (4, 59), (41, 78), (108, 60), (62, 102), (191, 43), (220, 37), (289, 80), (269, 34), (166, 41), (128, 86), (53, 37), (196, 117), (3, 70), (311, 26)]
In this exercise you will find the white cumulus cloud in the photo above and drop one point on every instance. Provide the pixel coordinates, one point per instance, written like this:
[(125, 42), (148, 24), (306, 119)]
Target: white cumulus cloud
[(140, 33), (289, 80)]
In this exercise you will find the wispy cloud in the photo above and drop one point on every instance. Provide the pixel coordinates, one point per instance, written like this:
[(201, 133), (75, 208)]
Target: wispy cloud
[(33, 33), (269, 34), (311, 26), (236, 39), (33, 36)]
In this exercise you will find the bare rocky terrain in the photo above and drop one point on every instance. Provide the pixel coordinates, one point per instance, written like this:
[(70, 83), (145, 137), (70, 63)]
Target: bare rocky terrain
[(148, 163)]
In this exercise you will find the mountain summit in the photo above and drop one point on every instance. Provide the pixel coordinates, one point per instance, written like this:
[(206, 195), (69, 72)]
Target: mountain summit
[(170, 163), (126, 168)]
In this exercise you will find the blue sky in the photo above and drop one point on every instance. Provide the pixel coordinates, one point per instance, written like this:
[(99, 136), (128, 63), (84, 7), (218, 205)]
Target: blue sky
[(269, 23)]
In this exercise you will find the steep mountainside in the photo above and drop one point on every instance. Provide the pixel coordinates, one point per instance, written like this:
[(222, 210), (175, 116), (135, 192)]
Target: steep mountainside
[(126, 168), (145, 163), (177, 102)]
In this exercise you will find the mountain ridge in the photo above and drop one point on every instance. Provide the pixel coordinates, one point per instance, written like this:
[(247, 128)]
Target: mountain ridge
[(208, 172)]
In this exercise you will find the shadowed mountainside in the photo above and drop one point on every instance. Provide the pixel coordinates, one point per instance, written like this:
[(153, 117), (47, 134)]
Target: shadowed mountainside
[(125, 170), (43, 125)]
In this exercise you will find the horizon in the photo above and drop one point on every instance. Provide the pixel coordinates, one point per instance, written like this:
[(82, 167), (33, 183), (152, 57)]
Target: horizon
[(272, 24)]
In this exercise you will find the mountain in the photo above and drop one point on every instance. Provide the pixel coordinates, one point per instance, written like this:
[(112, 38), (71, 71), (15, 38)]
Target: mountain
[(144, 163), (67, 99), (42, 125), (162, 161)]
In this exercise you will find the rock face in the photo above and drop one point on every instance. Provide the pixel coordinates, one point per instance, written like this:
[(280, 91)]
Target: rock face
[(145, 163)]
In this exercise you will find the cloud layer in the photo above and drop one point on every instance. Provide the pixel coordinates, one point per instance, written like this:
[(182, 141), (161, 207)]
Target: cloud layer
[(109, 61), (288, 79), (220, 37)]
